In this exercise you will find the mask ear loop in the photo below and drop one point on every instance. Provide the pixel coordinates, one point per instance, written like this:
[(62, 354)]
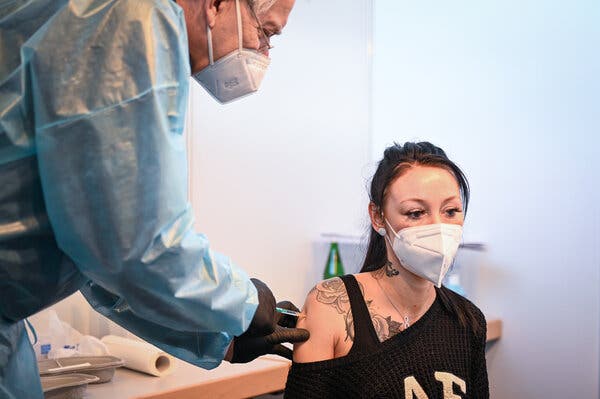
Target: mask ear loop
[(391, 228), (239, 23), (387, 237), (239, 32), (210, 47)]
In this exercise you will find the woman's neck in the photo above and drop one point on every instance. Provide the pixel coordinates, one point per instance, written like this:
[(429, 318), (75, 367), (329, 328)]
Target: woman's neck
[(411, 292)]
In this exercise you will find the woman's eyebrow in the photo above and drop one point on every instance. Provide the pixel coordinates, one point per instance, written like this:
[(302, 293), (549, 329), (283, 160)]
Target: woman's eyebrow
[(424, 202), (454, 197), (419, 200)]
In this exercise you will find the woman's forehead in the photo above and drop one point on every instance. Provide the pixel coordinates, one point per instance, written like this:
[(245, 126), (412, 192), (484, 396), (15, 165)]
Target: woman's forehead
[(424, 183)]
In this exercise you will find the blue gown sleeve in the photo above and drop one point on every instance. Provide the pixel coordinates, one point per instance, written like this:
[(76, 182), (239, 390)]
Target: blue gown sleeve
[(109, 85)]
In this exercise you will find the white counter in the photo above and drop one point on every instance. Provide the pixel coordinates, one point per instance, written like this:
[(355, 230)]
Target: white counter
[(263, 375)]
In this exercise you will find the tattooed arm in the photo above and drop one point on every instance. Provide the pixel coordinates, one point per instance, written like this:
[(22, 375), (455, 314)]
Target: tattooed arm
[(328, 318)]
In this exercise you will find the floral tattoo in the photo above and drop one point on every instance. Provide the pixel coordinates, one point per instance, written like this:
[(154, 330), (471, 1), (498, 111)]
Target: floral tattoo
[(333, 292)]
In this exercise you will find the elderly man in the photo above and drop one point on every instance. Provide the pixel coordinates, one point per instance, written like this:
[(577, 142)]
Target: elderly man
[(93, 173)]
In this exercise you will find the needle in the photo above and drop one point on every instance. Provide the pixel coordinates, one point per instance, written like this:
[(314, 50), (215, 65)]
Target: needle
[(288, 312)]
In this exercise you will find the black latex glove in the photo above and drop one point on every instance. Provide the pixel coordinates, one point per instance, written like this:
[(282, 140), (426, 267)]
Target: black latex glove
[(247, 348), (263, 322), (268, 329)]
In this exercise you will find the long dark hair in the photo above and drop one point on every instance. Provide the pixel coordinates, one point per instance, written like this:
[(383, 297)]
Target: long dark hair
[(397, 159)]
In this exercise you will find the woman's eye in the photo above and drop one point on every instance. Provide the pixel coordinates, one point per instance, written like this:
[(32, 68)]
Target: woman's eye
[(452, 212), (415, 214)]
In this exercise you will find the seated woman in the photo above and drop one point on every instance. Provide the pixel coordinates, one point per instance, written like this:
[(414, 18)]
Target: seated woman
[(392, 330)]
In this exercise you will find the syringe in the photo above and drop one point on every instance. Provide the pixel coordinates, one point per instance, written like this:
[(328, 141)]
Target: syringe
[(288, 312)]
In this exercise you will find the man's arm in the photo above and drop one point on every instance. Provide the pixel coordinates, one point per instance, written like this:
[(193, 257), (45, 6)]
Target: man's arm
[(110, 89)]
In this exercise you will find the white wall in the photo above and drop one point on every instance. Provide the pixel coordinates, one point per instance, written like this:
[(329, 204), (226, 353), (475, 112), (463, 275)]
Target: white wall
[(510, 89), (273, 171)]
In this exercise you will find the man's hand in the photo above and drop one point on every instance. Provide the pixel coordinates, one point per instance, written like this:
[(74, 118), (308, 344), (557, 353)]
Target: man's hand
[(247, 348), (263, 322), (267, 331)]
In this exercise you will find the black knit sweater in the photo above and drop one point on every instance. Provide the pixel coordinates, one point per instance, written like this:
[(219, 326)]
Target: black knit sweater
[(434, 358)]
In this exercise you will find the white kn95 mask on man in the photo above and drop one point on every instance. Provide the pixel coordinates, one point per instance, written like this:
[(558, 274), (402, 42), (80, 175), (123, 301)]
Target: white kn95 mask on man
[(429, 250), (236, 74)]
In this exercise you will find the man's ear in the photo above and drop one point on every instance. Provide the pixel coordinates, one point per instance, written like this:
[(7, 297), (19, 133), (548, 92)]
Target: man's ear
[(211, 8)]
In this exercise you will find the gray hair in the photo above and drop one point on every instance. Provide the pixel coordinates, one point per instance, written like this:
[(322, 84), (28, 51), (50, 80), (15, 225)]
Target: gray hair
[(261, 6)]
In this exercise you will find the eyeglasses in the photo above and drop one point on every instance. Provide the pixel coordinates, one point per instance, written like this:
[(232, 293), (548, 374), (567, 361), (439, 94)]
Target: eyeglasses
[(263, 37)]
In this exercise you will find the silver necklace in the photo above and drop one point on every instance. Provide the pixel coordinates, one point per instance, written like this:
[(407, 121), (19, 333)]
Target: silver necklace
[(405, 317)]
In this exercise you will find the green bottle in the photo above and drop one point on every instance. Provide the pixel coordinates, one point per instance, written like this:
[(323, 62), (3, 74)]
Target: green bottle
[(334, 266)]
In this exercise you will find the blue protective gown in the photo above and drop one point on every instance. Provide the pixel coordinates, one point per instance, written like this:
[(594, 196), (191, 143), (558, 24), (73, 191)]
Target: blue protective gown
[(93, 182)]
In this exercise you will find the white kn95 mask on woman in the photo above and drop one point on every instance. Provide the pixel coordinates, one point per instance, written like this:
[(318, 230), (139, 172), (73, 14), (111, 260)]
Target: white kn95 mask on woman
[(429, 250), (236, 74)]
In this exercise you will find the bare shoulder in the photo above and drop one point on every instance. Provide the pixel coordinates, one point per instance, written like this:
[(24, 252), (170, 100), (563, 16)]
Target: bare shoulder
[(328, 295), (326, 306), (325, 313)]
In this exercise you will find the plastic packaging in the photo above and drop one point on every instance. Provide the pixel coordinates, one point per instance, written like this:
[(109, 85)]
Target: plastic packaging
[(57, 339)]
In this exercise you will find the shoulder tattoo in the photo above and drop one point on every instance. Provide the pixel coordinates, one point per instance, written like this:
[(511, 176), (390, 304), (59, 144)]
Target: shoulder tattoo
[(332, 292)]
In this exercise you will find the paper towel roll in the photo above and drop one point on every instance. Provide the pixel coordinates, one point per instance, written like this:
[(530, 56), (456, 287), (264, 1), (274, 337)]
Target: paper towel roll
[(139, 355)]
